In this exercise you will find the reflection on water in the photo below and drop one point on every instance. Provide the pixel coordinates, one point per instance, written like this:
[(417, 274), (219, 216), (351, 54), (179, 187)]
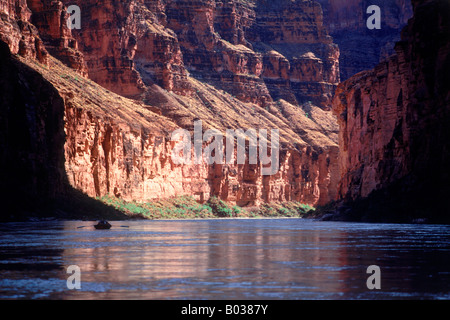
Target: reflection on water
[(224, 259)]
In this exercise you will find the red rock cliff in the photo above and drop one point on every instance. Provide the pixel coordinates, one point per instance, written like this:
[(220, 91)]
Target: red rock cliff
[(394, 119), (16, 30), (136, 49), (246, 48), (184, 47), (117, 146), (50, 18), (301, 62)]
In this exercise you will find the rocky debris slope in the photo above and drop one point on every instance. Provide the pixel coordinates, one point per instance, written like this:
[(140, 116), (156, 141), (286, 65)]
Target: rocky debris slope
[(394, 134)]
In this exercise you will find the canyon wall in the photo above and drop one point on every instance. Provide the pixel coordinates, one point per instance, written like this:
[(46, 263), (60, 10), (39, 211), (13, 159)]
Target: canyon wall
[(301, 62), (253, 50), (114, 145), (127, 153), (394, 135), (121, 146), (206, 59)]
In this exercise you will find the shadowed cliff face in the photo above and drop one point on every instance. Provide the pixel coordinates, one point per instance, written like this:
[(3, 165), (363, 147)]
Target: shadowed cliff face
[(361, 48), (31, 134), (33, 181), (394, 134)]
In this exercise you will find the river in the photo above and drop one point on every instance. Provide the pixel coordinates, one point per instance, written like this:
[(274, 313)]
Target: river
[(224, 259)]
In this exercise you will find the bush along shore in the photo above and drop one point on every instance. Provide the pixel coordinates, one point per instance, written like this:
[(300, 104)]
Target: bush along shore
[(186, 207)]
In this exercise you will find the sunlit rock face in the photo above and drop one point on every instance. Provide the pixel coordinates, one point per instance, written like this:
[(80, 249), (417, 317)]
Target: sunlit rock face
[(126, 48), (50, 18), (213, 56), (129, 46), (394, 119), (33, 29), (16, 30), (151, 67)]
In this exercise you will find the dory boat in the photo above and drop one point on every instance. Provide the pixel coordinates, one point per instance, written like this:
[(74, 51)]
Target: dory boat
[(103, 224)]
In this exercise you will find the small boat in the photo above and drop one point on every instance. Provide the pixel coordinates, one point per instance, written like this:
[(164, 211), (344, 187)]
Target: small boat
[(103, 224)]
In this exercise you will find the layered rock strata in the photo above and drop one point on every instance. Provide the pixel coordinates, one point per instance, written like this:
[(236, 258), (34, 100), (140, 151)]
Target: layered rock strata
[(130, 46), (115, 145), (16, 30), (301, 62), (127, 48), (50, 18)]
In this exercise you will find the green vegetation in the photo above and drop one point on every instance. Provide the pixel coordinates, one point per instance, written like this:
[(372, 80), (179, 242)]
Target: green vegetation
[(285, 209), (183, 207), (186, 207)]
